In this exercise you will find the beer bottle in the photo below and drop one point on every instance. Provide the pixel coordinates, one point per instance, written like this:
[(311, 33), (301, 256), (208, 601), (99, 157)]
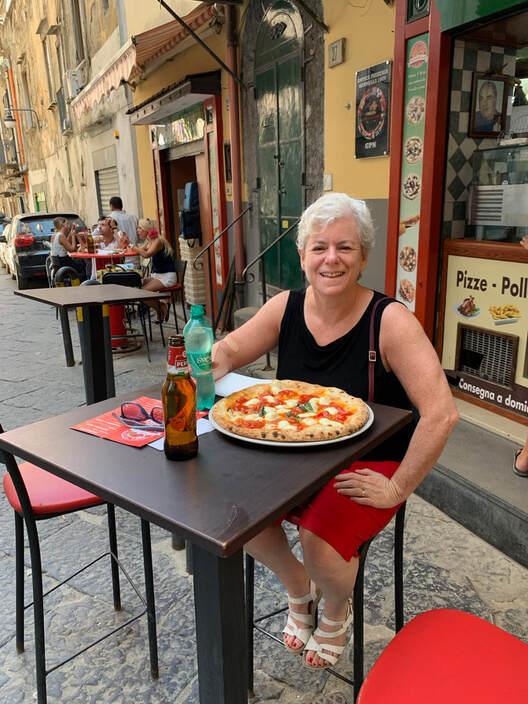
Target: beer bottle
[(179, 404)]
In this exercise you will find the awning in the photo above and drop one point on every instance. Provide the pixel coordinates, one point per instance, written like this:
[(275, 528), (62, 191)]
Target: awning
[(143, 52), (176, 97)]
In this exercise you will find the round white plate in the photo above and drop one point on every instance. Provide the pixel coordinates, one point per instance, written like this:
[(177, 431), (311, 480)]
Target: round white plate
[(277, 443)]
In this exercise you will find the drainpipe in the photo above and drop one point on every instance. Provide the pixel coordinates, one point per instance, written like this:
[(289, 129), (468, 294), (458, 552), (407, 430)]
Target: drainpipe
[(234, 129), (20, 142), (123, 38)]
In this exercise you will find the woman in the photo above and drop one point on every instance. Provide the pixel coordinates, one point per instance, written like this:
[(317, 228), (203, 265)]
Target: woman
[(63, 242), (158, 249), (323, 338)]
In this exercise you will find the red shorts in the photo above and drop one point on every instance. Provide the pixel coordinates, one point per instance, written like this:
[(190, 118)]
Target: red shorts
[(340, 522)]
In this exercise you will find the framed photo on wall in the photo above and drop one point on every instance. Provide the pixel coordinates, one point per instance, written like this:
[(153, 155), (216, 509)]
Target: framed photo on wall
[(488, 105)]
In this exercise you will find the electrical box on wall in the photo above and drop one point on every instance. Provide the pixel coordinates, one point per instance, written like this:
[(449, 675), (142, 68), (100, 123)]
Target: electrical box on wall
[(417, 9)]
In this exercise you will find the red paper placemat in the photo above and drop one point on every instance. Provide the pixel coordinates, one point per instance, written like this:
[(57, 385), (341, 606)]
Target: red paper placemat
[(136, 433), (112, 426)]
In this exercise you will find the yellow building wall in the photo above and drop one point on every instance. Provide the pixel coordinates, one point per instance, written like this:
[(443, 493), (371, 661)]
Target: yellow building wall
[(369, 34), (141, 16), (193, 60)]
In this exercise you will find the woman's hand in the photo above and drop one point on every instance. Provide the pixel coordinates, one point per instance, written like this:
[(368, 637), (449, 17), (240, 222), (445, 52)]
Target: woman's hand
[(364, 486)]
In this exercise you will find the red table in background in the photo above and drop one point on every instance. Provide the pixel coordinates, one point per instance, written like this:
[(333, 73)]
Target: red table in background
[(99, 261)]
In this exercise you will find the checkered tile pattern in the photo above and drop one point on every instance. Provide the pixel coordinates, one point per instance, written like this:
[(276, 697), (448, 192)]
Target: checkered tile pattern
[(468, 58)]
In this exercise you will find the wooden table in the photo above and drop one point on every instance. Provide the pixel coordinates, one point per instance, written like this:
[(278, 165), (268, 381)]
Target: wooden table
[(92, 303), (218, 501)]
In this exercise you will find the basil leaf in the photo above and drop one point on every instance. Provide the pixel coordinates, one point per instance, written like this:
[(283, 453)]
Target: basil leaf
[(307, 407), (262, 411)]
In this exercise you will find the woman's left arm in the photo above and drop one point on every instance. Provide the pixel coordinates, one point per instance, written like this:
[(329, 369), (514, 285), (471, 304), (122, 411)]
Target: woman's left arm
[(407, 351)]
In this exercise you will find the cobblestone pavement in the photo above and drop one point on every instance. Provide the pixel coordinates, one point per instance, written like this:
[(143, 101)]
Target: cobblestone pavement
[(445, 565)]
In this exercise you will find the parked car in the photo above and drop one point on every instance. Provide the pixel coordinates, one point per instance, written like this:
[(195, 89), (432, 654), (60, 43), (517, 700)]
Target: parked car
[(4, 231), (29, 244)]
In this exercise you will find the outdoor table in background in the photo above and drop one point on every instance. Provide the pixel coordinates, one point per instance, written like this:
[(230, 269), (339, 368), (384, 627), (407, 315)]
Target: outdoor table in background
[(92, 303), (218, 501), (100, 260)]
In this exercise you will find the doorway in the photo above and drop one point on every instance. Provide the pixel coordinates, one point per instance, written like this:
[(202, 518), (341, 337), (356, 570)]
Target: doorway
[(279, 92)]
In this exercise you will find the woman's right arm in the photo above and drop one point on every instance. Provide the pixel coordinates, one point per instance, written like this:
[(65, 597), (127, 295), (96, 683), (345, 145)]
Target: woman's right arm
[(253, 339), (66, 241)]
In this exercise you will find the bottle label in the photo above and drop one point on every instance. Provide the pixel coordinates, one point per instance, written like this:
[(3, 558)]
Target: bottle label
[(200, 361), (177, 358)]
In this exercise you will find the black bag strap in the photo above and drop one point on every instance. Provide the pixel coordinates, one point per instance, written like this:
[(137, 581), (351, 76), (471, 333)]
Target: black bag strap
[(372, 354)]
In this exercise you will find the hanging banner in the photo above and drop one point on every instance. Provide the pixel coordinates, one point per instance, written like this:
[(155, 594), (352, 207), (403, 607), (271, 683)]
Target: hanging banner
[(412, 164), (373, 87)]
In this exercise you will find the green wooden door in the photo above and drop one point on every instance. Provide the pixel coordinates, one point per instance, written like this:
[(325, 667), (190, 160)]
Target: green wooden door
[(280, 143)]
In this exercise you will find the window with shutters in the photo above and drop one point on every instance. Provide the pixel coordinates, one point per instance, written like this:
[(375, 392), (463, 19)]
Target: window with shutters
[(107, 185)]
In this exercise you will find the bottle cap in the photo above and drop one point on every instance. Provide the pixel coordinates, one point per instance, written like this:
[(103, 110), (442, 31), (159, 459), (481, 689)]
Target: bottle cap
[(176, 341), (197, 311)]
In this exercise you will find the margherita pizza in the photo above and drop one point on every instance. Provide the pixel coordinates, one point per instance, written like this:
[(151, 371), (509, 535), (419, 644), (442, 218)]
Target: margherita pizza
[(290, 411)]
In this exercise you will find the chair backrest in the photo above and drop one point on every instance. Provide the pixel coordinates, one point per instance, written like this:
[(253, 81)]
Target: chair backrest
[(180, 265), (123, 278)]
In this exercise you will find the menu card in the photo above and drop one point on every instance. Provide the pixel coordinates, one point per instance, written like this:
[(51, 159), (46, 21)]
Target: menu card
[(130, 424)]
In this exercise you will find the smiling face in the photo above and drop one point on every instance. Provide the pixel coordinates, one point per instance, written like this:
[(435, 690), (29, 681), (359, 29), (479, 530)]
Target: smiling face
[(333, 259)]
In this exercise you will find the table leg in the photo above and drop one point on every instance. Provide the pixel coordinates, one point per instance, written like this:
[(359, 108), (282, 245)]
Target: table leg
[(220, 627), (96, 350), (66, 337)]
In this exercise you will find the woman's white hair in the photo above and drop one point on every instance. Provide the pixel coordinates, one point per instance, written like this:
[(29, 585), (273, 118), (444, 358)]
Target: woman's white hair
[(336, 206)]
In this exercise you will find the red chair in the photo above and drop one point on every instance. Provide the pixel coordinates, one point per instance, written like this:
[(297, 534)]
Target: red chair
[(36, 495), (449, 657)]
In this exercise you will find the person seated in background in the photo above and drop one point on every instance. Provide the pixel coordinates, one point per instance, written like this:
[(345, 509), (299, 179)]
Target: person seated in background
[(63, 242), (156, 248), (108, 238)]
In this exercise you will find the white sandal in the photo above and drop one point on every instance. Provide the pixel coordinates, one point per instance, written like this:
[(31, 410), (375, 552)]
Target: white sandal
[(326, 651), (292, 629)]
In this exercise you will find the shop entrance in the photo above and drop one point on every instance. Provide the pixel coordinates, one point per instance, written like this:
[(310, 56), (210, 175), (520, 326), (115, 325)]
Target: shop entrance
[(280, 142), (178, 172)]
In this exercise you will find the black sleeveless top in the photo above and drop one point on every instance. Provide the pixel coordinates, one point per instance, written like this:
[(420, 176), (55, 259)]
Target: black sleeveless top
[(162, 262), (342, 363)]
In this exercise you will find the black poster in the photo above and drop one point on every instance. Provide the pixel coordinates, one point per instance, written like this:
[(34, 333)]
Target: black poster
[(373, 87)]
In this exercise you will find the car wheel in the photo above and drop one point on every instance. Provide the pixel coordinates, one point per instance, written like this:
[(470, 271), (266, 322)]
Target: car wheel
[(21, 282)]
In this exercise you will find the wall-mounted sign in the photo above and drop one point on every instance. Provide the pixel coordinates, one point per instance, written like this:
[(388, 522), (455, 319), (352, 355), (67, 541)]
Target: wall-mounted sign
[(373, 88), (411, 170), (485, 330), (182, 128), (336, 53)]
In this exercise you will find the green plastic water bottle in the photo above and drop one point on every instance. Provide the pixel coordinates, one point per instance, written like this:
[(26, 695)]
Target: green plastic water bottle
[(199, 338)]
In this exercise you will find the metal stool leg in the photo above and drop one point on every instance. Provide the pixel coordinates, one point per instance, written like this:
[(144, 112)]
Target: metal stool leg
[(359, 631), (112, 539), (38, 609), (144, 330), (19, 581), (250, 606), (398, 567), (149, 590)]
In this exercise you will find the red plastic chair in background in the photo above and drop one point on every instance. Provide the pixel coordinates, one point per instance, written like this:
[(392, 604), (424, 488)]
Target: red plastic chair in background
[(449, 657), (36, 495)]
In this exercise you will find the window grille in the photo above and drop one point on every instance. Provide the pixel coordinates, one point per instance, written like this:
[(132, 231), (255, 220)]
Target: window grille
[(488, 355)]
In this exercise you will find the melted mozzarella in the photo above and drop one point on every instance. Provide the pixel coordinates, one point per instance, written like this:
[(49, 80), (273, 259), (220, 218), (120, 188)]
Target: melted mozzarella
[(333, 411), (308, 414), (323, 401), (309, 421), (252, 402), (330, 423), (284, 425), (270, 413)]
